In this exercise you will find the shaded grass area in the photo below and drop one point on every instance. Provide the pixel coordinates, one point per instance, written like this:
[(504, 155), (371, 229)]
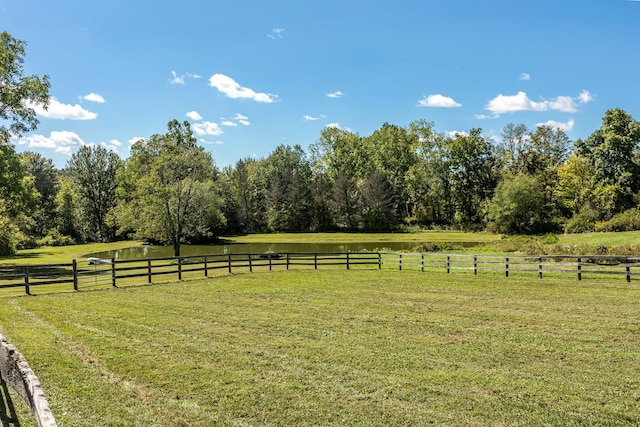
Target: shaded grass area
[(337, 348), (62, 254), (418, 237)]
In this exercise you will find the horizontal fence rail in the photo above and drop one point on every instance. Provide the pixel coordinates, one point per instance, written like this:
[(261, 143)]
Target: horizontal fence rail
[(100, 273)]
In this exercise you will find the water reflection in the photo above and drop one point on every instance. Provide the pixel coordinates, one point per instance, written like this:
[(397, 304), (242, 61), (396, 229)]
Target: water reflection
[(142, 252)]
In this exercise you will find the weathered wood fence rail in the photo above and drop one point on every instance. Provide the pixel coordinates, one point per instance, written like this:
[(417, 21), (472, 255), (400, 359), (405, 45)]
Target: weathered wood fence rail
[(90, 273)]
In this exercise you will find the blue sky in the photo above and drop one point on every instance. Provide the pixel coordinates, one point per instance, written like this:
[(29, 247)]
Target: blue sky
[(253, 74)]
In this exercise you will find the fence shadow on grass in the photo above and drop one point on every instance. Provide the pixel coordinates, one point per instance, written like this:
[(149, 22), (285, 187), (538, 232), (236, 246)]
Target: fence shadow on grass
[(8, 416)]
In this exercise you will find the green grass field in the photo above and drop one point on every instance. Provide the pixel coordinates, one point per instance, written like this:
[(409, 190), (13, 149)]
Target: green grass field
[(336, 348)]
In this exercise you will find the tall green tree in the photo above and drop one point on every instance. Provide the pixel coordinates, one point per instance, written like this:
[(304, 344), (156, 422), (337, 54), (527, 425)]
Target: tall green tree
[(18, 93), (612, 150), (167, 191), (92, 170), (47, 183), (518, 205), (472, 163)]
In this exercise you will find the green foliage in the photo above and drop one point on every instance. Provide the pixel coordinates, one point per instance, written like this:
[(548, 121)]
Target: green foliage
[(54, 238), (93, 172), (18, 93), (166, 191), (518, 206), (581, 222), (628, 220), (9, 234)]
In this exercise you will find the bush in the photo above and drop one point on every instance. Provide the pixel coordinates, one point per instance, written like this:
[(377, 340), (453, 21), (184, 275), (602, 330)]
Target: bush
[(9, 236), (580, 223), (628, 220), (54, 238)]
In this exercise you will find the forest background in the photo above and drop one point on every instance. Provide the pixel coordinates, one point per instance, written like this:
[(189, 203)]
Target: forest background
[(169, 190)]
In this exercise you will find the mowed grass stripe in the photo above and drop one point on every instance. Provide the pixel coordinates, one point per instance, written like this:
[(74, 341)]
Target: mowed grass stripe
[(337, 348)]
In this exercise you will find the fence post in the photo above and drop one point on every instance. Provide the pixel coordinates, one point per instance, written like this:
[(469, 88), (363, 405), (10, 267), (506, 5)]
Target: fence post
[(422, 262), (288, 261), (229, 261), (347, 260), (628, 273), (540, 267), (506, 267), (75, 275), (579, 268), (379, 261), (113, 272), (475, 265), (448, 264), (148, 271), (26, 280), (179, 268), (269, 262), (250, 264), (315, 261), (400, 262), (206, 267)]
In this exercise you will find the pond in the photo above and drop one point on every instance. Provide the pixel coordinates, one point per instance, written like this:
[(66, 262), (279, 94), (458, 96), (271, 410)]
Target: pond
[(148, 251)]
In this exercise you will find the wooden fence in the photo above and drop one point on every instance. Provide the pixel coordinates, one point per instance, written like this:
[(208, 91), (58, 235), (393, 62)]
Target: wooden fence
[(97, 273)]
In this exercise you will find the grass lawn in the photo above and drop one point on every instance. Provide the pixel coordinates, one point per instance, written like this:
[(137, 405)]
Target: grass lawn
[(62, 254), (336, 348)]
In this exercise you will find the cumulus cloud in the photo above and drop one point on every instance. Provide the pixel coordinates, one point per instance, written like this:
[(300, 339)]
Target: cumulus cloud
[(135, 139), (310, 118), (276, 33), (59, 141), (567, 127), (333, 125), (520, 102), (58, 110), (229, 88), (525, 77), (228, 123), (585, 97), (193, 115), (207, 128), (439, 101), (94, 97), (336, 94)]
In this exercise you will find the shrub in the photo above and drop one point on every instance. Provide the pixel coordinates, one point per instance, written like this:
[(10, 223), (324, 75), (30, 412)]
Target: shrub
[(54, 238), (628, 220), (581, 223)]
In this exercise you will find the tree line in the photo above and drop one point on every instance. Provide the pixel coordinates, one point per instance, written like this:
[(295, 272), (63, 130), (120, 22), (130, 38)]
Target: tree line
[(170, 191)]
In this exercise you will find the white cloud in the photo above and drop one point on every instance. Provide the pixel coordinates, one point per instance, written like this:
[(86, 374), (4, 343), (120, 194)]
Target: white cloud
[(336, 94), (58, 110), (135, 139), (567, 127), (176, 80), (59, 141), (276, 33), (333, 125), (243, 120), (207, 128), (193, 115), (94, 97), (520, 102), (453, 133), (228, 123), (525, 77), (204, 141), (585, 97), (438, 100), (310, 118), (179, 80), (229, 88), (485, 116), (112, 145)]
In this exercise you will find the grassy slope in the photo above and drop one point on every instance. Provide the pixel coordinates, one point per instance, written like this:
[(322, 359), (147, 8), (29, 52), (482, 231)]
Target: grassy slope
[(321, 348)]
